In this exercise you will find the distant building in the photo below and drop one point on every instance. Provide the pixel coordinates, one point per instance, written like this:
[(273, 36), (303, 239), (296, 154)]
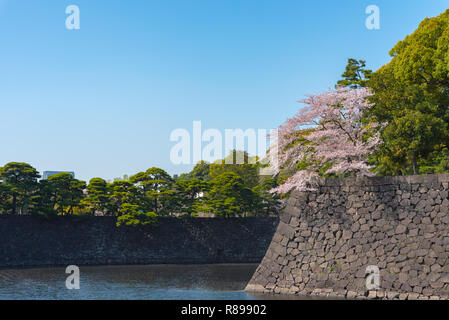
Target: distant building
[(48, 174)]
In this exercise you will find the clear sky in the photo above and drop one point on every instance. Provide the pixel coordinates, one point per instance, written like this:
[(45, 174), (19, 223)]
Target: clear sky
[(103, 100)]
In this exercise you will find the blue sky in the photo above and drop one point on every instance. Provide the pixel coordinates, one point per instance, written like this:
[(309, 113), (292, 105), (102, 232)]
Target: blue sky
[(103, 100)]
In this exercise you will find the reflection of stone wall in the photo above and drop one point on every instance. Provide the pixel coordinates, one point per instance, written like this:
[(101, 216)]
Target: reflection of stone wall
[(29, 241), (326, 239)]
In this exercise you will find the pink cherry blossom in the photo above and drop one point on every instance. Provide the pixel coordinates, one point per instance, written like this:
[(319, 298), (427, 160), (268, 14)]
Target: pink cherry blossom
[(338, 137)]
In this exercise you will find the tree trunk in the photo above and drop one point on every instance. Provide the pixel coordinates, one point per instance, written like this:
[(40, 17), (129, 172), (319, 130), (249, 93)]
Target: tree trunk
[(14, 204), (414, 163)]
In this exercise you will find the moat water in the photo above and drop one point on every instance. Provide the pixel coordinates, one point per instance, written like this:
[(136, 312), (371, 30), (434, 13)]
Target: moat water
[(152, 282)]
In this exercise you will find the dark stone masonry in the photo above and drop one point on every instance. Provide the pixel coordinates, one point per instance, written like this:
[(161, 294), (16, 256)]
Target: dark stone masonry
[(326, 239), (29, 241)]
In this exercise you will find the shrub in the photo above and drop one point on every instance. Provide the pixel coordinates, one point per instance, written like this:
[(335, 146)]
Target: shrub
[(132, 216)]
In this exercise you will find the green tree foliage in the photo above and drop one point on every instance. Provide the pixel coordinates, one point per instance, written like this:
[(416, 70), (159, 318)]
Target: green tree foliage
[(355, 75), (411, 97), (241, 164), (155, 185), (66, 191), (268, 203), (229, 197), (135, 201), (438, 163), (43, 202), (21, 182), (201, 171), (121, 193), (5, 198), (256, 198), (97, 199), (188, 195), (133, 216)]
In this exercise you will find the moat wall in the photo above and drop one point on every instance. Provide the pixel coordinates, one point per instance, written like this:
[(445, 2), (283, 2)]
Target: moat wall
[(326, 239), (30, 241)]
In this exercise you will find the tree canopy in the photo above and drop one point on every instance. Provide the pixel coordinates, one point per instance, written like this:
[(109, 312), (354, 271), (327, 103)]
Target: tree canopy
[(405, 111), (21, 181), (337, 143), (356, 75), (139, 199), (411, 97)]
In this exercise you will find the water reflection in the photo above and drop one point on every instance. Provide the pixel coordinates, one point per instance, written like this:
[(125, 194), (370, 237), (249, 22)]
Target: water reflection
[(224, 281), (196, 282)]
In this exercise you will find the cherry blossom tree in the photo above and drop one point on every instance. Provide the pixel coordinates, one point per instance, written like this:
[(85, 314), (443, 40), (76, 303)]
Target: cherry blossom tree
[(333, 139)]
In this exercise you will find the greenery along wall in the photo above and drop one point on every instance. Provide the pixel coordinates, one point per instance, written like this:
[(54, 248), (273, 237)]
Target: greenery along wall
[(223, 190)]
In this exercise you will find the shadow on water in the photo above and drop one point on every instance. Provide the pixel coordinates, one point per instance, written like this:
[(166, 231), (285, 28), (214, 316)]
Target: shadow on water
[(165, 282)]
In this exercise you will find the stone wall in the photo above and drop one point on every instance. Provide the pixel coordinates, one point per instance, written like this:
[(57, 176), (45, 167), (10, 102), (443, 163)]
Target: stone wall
[(30, 241), (326, 239)]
